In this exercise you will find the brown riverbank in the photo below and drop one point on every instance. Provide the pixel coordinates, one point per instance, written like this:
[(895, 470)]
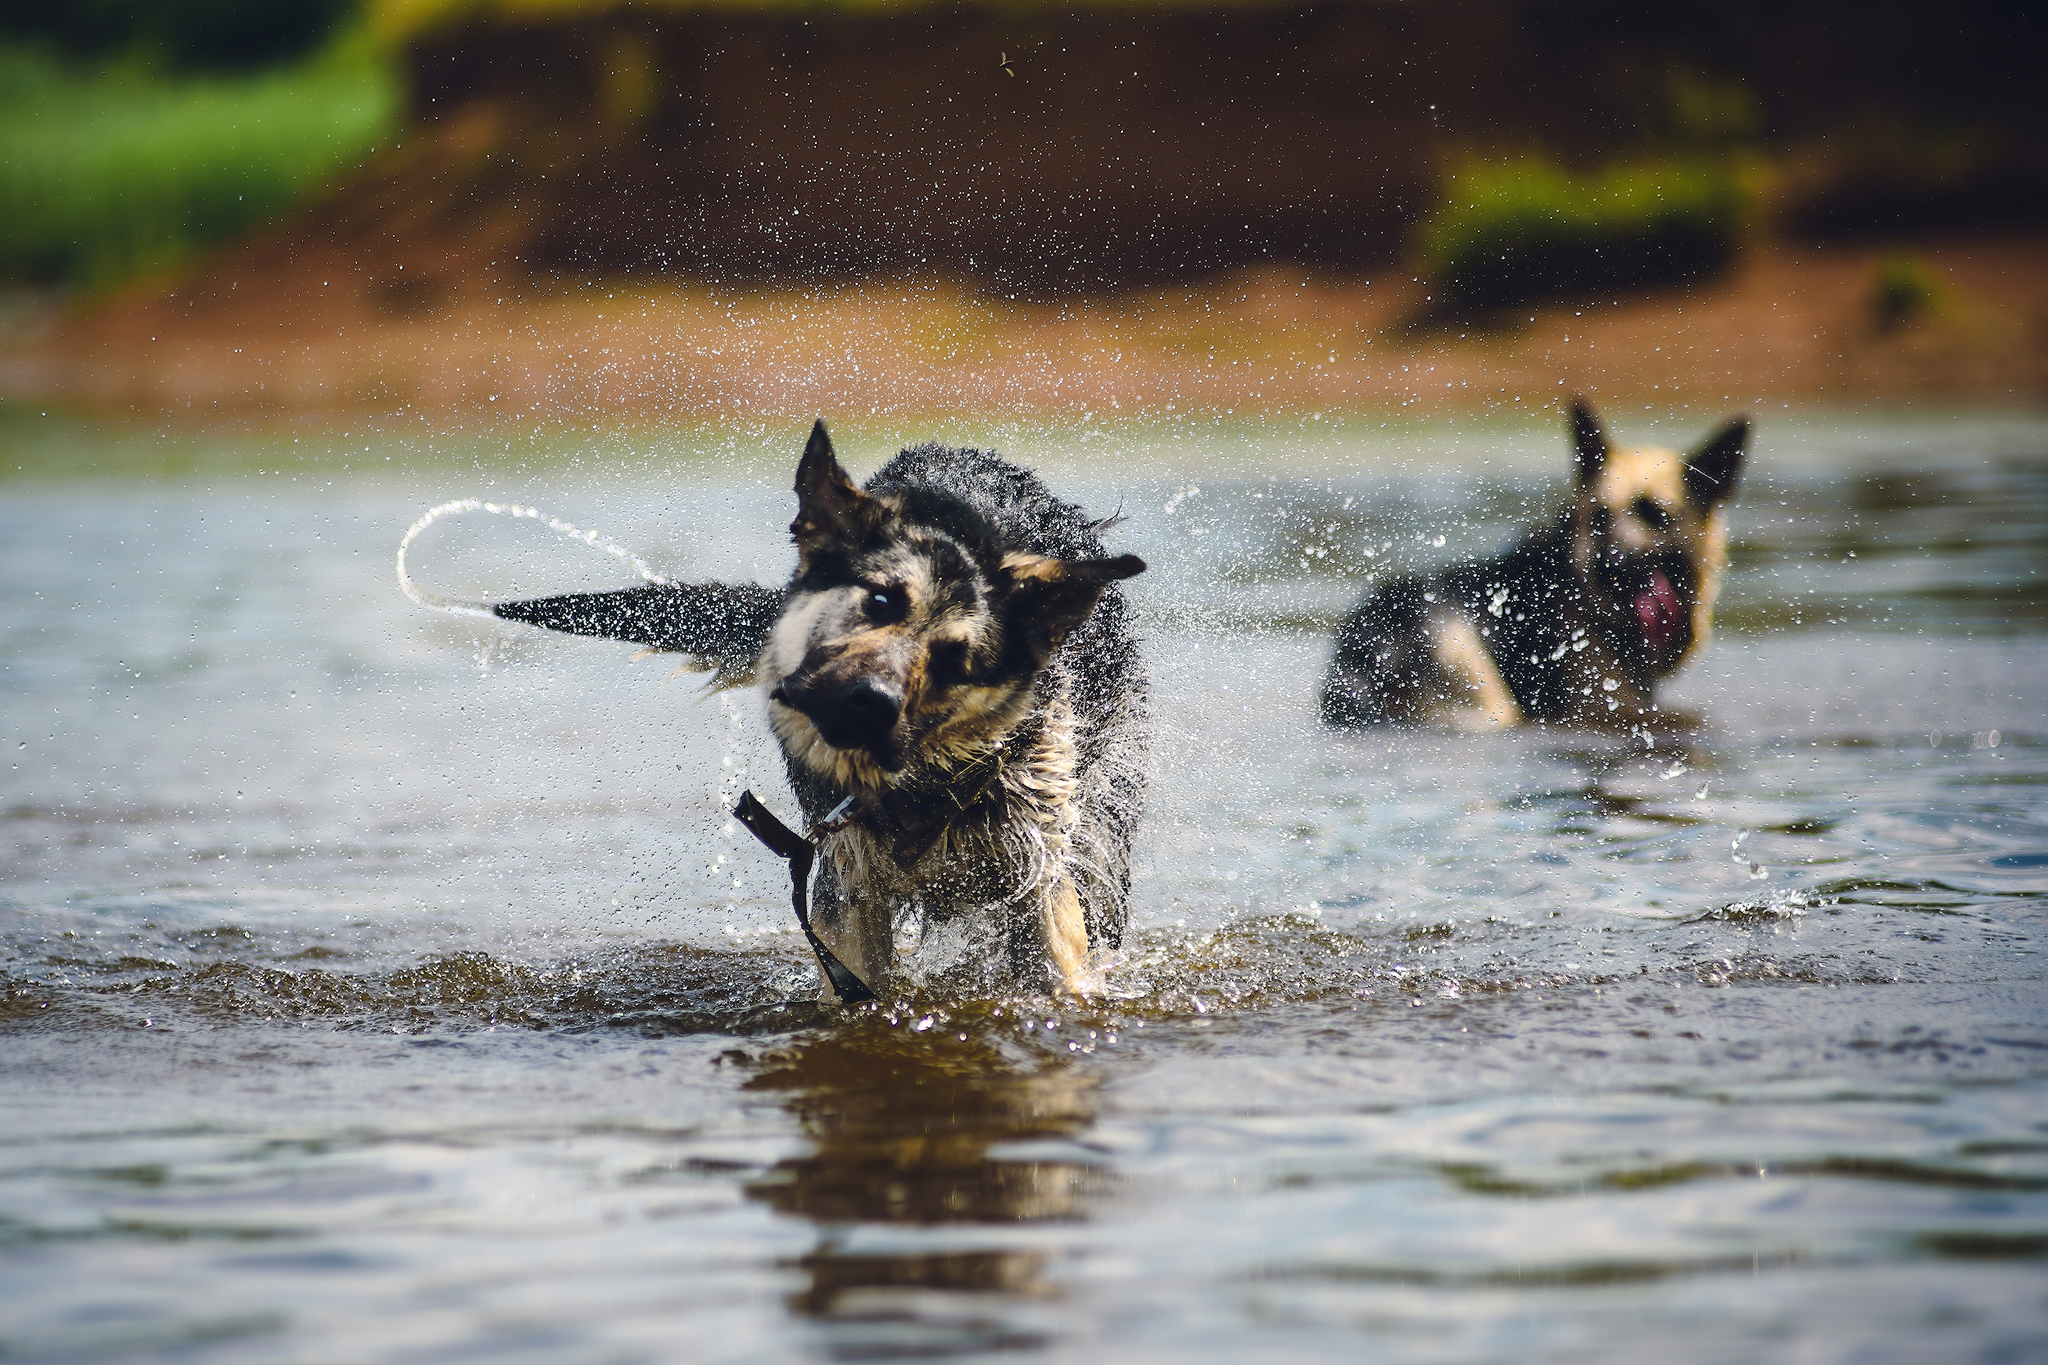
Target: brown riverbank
[(1788, 323)]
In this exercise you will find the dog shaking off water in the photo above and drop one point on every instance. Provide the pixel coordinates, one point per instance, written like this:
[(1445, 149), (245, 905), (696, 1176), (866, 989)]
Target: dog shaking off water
[(1577, 624), (953, 654)]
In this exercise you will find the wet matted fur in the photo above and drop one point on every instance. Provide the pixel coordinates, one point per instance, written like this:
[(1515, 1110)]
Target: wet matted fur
[(955, 654), (1576, 624)]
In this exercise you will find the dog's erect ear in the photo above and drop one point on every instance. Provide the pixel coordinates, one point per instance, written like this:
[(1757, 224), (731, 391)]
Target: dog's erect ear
[(830, 511), (1056, 595), (1712, 471), (1589, 442)]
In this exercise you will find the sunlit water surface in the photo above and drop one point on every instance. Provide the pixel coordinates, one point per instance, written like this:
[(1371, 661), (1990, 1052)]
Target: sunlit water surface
[(383, 986)]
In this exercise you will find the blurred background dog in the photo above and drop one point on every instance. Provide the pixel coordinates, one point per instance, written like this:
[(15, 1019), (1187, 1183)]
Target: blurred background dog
[(1578, 623)]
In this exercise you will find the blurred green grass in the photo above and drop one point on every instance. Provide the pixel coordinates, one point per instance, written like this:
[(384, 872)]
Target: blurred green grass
[(107, 171), (1511, 233)]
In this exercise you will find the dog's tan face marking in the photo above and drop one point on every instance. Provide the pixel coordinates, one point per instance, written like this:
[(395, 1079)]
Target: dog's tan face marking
[(1644, 492), (1639, 507), (914, 627), (791, 638)]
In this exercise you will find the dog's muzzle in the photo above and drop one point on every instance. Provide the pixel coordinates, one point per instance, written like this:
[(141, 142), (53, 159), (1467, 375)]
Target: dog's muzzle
[(1659, 612), (860, 714)]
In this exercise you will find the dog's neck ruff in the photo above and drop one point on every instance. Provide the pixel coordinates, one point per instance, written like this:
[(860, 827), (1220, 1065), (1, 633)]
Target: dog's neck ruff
[(910, 816)]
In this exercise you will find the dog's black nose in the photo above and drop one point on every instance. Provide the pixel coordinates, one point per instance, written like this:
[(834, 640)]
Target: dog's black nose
[(871, 706), (861, 714)]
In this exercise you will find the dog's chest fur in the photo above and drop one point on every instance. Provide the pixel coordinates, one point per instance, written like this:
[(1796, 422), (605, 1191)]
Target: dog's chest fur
[(953, 851), (1561, 644)]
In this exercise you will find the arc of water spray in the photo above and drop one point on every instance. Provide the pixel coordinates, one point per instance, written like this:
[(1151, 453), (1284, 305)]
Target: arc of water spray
[(457, 606)]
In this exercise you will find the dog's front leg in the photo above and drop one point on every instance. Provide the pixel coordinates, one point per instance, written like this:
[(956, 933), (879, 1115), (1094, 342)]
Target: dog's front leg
[(1064, 934), (858, 929), (1475, 698)]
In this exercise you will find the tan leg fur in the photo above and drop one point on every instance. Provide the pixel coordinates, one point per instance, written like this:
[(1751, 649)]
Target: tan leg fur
[(1066, 934), (1486, 703)]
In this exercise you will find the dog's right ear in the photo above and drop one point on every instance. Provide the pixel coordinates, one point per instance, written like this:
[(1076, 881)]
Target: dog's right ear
[(1589, 441), (1056, 595), (1712, 471), (830, 512)]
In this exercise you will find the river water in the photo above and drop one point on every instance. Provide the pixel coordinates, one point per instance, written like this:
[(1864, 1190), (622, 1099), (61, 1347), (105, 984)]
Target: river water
[(380, 986)]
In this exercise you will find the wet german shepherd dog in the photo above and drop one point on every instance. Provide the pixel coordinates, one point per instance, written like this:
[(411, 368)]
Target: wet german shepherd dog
[(1577, 624), (953, 655)]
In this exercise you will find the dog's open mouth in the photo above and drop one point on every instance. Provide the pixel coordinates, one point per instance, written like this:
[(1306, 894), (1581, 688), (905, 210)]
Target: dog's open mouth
[(1659, 612)]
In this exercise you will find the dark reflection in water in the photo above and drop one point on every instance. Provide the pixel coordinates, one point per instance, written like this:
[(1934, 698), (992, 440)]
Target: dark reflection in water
[(909, 1130)]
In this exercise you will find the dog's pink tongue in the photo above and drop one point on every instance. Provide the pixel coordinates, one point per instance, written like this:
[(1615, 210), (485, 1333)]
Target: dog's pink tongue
[(1658, 610)]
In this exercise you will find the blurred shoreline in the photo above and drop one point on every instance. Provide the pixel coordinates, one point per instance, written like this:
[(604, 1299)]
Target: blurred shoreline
[(250, 339), (642, 455)]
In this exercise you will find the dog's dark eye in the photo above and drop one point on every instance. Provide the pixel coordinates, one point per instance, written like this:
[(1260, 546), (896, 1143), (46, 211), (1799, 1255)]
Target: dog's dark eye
[(1650, 511), (886, 606)]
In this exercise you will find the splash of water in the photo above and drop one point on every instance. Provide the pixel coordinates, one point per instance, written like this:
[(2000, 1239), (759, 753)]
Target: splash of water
[(463, 607)]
